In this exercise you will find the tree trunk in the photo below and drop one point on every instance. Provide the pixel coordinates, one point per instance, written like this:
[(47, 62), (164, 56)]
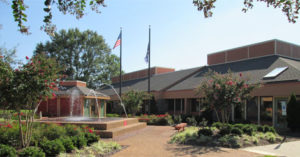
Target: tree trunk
[(21, 131)]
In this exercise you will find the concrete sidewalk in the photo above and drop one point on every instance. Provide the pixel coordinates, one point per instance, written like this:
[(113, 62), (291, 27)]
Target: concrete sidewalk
[(288, 149)]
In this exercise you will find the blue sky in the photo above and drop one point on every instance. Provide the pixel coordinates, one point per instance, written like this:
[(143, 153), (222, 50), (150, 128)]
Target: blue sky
[(181, 36)]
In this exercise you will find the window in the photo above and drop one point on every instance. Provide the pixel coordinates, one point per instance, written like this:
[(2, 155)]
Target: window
[(275, 72)]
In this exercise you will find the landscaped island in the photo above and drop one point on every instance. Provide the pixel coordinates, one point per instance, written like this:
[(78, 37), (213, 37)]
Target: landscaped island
[(227, 135)]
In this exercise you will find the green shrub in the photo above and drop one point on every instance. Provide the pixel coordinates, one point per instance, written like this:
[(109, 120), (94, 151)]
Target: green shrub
[(268, 128), (72, 130), (204, 139), (190, 133), (79, 141), (7, 151), (261, 128), (54, 131), (32, 152), (205, 132), (239, 125), (9, 135), (225, 129), (191, 121), (177, 119), (293, 116), (271, 137), (249, 129), (112, 115), (68, 144), (91, 138), (237, 131), (217, 125), (52, 148), (230, 141)]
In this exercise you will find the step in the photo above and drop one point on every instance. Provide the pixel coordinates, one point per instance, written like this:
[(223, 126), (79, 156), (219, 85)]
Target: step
[(112, 133)]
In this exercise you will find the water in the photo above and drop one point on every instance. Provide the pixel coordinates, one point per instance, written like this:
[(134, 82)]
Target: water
[(92, 91), (74, 99), (112, 87)]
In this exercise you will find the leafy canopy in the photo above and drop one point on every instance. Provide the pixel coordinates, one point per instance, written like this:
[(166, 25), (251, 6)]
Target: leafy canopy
[(133, 100), (221, 91), (78, 8), (85, 56), (289, 7)]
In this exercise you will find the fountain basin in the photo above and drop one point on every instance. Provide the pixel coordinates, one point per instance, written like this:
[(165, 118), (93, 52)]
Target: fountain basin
[(110, 127)]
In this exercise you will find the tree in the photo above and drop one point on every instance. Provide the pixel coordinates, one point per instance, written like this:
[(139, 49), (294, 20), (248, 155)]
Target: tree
[(133, 100), (85, 55), (78, 7), (9, 56), (74, 7), (224, 91), (293, 117), (25, 87), (289, 7)]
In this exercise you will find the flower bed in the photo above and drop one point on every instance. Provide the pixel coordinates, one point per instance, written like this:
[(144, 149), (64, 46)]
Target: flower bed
[(227, 135), (162, 119), (48, 140)]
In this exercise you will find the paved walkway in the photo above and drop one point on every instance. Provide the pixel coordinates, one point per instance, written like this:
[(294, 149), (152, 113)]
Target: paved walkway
[(153, 141), (289, 149)]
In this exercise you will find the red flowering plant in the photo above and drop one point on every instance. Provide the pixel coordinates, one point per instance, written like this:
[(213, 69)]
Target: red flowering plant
[(224, 91), (25, 88)]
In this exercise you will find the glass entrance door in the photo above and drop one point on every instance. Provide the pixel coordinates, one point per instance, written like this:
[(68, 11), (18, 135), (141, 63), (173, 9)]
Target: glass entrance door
[(280, 112)]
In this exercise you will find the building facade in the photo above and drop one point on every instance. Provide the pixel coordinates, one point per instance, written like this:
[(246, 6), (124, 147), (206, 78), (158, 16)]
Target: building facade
[(274, 63), (73, 98)]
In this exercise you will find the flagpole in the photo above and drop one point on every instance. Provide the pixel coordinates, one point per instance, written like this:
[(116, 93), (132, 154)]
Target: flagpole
[(149, 59), (121, 41)]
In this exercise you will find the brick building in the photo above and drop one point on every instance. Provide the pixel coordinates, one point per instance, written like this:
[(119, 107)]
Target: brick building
[(73, 98), (274, 63)]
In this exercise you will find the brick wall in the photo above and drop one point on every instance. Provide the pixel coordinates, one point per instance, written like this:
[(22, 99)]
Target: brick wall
[(273, 47), (142, 74)]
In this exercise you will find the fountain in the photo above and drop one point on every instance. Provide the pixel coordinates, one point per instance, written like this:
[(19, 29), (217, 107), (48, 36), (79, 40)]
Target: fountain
[(76, 99), (121, 103)]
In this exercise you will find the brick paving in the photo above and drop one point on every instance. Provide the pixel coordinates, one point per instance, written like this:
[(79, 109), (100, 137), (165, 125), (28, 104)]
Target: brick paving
[(152, 141)]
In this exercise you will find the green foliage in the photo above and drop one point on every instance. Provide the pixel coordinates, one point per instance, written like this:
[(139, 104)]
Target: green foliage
[(177, 119), (76, 8), (52, 148), (112, 115), (271, 137), (53, 132), (79, 141), (8, 151), (268, 128), (85, 55), (190, 133), (133, 100), (67, 143), (72, 130), (249, 129), (191, 121), (9, 135), (32, 152), (91, 138), (221, 91), (260, 128), (230, 141), (293, 116), (237, 131), (288, 7), (162, 119), (217, 125), (205, 132)]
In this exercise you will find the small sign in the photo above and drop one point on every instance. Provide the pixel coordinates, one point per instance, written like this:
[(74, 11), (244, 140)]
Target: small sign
[(283, 108), (125, 122)]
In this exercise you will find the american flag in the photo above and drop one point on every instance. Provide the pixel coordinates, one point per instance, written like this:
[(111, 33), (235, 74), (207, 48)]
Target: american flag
[(148, 54), (118, 42)]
